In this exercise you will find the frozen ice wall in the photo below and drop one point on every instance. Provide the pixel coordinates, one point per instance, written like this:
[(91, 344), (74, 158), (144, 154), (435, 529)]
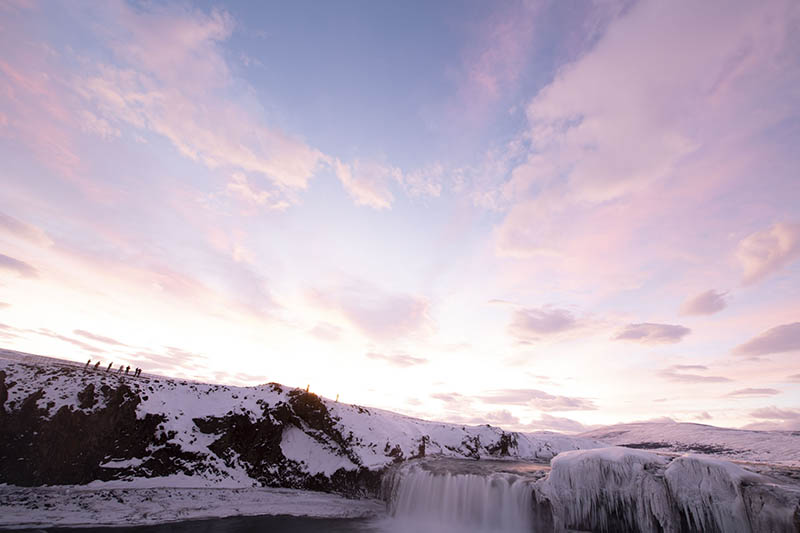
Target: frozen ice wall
[(606, 490), (618, 489)]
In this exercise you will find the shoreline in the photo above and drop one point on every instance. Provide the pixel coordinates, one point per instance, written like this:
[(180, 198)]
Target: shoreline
[(80, 506)]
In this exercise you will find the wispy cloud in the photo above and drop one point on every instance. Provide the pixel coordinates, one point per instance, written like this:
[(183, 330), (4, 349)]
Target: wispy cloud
[(76, 342), (98, 338), (537, 399), (648, 333), (378, 314), (775, 419), (450, 397), (557, 423), (20, 267), (369, 183), (170, 78), (400, 360), (705, 303), (23, 230), (775, 413), (174, 360), (753, 392), (780, 339), (326, 332), (606, 172), (677, 374)]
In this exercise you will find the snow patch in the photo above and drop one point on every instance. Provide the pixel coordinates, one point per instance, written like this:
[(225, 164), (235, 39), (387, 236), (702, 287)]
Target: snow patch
[(317, 458)]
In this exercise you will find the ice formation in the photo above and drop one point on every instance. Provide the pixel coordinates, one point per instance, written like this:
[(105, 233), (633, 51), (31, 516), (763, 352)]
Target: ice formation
[(607, 490)]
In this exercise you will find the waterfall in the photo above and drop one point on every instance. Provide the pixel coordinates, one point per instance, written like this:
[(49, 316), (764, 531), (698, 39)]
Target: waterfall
[(426, 499)]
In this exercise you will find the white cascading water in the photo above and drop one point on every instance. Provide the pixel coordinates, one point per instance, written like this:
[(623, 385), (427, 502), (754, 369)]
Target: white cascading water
[(491, 502)]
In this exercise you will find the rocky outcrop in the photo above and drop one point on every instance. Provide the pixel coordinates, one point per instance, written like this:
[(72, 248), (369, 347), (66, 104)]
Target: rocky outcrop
[(72, 445), (69, 446), (256, 445)]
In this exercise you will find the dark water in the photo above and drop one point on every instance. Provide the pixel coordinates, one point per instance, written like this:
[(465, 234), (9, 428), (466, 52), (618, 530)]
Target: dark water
[(239, 524)]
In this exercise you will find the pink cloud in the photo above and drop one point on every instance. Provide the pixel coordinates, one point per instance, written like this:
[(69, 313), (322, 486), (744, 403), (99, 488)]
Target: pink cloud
[(76, 342), (23, 230), (241, 188), (775, 413), (399, 360), (627, 170), (706, 303), (775, 419), (326, 332), (500, 50), (378, 314), (765, 252), (648, 333), (546, 421), (537, 399), (753, 392), (171, 78), (780, 339), (368, 183), (20, 267), (677, 374), (529, 324), (98, 338), (42, 115)]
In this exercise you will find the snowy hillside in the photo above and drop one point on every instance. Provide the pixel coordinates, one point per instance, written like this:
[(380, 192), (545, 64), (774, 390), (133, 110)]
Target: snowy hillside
[(775, 447), (155, 431), (155, 445)]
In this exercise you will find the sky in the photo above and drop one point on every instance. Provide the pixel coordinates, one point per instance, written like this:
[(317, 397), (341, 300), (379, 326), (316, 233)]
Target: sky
[(540, 215)]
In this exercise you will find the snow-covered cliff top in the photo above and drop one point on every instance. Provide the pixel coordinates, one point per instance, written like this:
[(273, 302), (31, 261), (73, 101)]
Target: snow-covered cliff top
[(774, 447)]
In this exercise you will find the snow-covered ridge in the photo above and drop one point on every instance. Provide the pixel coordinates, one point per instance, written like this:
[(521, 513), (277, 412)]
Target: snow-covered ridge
[(129, 430), (773, 447)]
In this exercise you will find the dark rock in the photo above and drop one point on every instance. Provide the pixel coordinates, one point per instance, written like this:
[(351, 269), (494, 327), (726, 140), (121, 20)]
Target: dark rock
[(86, 397)]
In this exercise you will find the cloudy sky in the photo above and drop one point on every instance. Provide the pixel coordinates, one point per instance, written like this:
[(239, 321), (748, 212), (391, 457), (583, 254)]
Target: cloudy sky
[(543, 215)]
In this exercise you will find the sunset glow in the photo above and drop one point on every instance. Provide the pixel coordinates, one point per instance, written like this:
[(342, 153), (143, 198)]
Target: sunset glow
[(539, 215)]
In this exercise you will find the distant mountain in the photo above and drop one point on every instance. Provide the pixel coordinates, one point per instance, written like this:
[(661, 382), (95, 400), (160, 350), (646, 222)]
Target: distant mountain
[(775, 447)]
